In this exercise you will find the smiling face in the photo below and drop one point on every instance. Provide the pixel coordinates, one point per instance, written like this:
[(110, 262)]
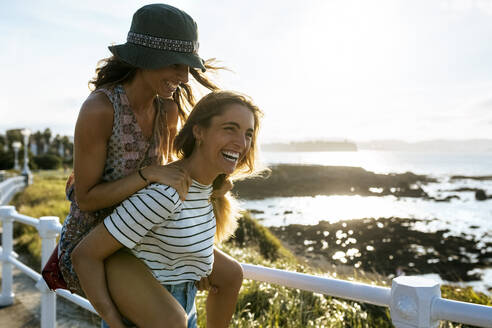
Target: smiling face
[(220, 137), (227, 139), (164, 81)]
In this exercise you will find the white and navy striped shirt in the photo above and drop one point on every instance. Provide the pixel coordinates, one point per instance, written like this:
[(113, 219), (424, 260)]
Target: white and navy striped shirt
[(174, 238)]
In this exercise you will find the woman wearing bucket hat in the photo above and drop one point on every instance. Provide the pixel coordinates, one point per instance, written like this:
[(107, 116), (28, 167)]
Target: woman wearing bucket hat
[(124, 133)]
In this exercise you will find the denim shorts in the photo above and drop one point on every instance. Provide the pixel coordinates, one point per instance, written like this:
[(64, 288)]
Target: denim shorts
[(185, 294)]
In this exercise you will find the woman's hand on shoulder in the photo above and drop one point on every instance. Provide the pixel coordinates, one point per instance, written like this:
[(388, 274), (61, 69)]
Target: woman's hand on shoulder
[(171, 175)]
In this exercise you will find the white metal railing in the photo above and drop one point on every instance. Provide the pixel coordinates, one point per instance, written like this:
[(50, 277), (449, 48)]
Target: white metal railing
[(48, 228), (10, 187), (413, 301)]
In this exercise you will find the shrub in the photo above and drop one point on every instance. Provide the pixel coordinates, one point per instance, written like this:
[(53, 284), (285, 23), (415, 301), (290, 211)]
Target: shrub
[(251, 233), (6, 160), (47, 162), (68, 162)]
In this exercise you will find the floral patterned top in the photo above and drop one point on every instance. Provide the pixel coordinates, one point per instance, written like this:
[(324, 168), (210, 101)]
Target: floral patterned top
[(127, 151)]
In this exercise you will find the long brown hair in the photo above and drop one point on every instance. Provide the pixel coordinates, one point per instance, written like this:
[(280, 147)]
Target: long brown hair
[(112, 71), (225, 208)]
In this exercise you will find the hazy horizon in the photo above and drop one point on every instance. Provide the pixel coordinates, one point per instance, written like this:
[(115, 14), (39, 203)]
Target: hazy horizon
[(341, 69), (487, 141)]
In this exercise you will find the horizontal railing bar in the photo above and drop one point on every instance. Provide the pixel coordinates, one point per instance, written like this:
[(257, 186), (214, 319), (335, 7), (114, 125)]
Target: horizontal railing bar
[(334, 287), (11, 181), (462, 312), (24, 268), (13, 254), (442, 309), (25, 219), (62, 292), (79, 300), (10, 187)]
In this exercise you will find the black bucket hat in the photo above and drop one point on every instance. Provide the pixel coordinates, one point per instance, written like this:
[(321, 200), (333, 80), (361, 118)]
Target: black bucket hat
[(160, 35)]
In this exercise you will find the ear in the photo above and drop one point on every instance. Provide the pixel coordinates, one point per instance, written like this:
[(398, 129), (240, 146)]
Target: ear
[(198, 132)]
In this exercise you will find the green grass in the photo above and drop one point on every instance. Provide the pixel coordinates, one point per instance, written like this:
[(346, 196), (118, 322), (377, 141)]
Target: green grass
[(259, 304), (267, 305), (45, 197), (465, 294)]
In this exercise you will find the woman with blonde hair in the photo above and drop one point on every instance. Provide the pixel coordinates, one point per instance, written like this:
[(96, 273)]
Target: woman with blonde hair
[(173, 237), (124, 135)]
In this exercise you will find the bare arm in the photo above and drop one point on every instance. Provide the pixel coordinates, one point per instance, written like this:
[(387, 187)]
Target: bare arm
[(126, 226), (92, 132), (88, 261)]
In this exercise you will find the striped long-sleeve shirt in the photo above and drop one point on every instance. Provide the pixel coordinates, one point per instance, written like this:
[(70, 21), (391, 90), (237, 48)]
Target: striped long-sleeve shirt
[(174, 238)]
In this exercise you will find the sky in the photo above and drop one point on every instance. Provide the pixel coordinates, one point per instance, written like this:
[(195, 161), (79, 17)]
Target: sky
[(361, 70)]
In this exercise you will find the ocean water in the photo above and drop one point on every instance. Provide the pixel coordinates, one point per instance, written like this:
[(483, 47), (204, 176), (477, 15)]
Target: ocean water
[(457, 214), (431, 163), (464, 215)]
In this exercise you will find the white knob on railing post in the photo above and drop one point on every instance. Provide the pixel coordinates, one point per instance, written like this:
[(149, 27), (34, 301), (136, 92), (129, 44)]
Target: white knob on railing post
[(48, 228), (411, 300), (6, 213)]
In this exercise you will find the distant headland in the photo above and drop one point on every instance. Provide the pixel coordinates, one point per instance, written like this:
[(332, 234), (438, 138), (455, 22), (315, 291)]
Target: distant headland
[(311, 146), (461, 146)]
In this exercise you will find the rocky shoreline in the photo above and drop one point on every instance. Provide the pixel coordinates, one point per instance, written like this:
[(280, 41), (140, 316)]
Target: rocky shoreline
[(310, 180), (288, 180), (389, 246)]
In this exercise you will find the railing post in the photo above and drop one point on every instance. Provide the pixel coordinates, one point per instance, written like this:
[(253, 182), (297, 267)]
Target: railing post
[(411, 302), (6, 213), (48, 228)]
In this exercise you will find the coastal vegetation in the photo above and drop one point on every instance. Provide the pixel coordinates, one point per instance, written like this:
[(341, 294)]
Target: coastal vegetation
[(46, 152), (267, 305)]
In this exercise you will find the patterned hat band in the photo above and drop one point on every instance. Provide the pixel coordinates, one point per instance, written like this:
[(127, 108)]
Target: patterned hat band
[(162, 43)]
